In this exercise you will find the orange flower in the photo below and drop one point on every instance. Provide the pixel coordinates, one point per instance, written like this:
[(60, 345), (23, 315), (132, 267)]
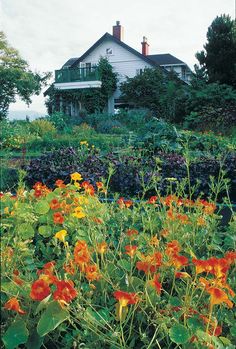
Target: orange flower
[(154, 241), (173, 248), (182, 275), (60, 184), (90, 190), (164, 232), (183, 218), (218, 296), (155, 283), (125, 298), (150, 263), (131, 250), (13, 304), (230, 257), (58, 218), (85, 184), (81, 254), (99, 185), (131, 232), (124, 203), (91, 273), (201, 221), (54, 204), (65, 291), (102, 247), (39, 290), (69, 267)]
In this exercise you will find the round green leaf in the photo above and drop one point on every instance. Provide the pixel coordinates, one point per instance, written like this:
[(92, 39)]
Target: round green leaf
[(175, 302), (124, 264), (179, 334), (233, 331), (26, 231), (45, 230), (16, 334), (51, 318), (194, 324), (42, 207)]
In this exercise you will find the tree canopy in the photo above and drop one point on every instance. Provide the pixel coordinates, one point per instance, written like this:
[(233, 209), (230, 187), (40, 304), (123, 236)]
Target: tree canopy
[(156, 90), (16, 79), (218, 59)]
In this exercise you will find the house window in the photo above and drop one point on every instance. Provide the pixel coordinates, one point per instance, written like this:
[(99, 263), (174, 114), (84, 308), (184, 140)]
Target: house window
[(183, 73), (139, 71), (109, 51)]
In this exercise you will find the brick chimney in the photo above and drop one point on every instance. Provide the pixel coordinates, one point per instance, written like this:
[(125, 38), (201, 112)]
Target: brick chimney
[(118, 31), (145, 46)]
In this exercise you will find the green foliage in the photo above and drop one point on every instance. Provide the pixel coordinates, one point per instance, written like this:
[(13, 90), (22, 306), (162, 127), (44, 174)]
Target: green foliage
[(42, 127), (59, 120), (157, 91), (16, 79), (217, 61), (90, 99)]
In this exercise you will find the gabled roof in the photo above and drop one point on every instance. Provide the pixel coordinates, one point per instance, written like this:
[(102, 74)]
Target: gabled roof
[(108, 36), (165, 59), (69, 62)]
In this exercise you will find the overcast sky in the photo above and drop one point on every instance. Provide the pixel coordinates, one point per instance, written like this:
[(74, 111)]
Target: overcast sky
[(48, 32)]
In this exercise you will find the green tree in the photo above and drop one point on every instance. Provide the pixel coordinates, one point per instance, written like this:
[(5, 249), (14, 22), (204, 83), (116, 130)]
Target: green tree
[(218, 59), (162, 93), (16, 79)]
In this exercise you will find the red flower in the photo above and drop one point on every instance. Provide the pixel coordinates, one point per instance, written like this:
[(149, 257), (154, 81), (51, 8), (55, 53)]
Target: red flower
[(58, 218), (131, 232), (54, 204), (179, 261), (13, 304), (65, 291), (39, 290), (155, 283), (152, 200)]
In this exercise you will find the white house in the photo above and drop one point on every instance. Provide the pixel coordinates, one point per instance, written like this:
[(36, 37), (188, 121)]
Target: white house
[(81, 72)]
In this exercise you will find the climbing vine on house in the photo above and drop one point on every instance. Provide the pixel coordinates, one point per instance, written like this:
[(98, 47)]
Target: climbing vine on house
[(89, 99)]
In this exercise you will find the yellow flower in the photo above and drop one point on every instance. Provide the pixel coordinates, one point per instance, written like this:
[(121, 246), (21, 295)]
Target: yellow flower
[(77, 185), (76, 176), (78, 213), (60, 235), (83, 200), (84, 143), (6, 210)]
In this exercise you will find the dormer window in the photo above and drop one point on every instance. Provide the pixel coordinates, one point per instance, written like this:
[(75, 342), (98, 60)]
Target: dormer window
[(109, 51)]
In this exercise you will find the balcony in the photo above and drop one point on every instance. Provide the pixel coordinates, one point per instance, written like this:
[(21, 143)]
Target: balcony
[(77, 78)]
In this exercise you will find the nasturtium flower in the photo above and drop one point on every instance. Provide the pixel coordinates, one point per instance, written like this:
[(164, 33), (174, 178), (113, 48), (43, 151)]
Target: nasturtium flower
[(76, 176), (81, 254), (60, 183), (152, 200), (102, 247), (54, 204), (131, 232), (39, 290), (126, 298), (58, 218), (155, 283), (131, 250), (218, 296), (154, 241), (60, 235), (92, 273), (65, 291), (181, 275), (78, 212), (13, 304)]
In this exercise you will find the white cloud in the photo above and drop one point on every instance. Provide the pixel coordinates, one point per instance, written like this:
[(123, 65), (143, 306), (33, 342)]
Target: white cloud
[(48, 32)]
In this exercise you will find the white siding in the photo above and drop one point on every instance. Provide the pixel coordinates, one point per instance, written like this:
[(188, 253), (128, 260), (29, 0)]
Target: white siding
[(124, 62)]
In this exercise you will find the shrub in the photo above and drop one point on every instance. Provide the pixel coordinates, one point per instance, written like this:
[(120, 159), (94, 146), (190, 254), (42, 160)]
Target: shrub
[(111, 127), (59, 120), (42, 127)]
